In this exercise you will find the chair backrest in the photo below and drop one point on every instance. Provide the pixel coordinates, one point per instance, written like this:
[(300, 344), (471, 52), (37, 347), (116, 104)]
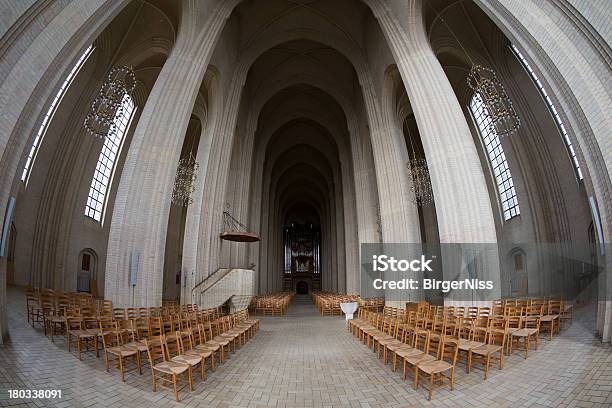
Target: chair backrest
[(106, 324), (449, 350), (460, 311), (481, 321), (472, 312), (208, 331), (554, 307), (497, 338), (514, 322), (466, 329), (451, 325), (132, 313), (90, 323), (511, 311), (128, 328), (155, 350), (484, 312), (421, 340), (531, 322), (109, 339), (119, 314), (498, 310), (171, 345), (73, 323), (184, 341), (534, 310), (520, 303), (439, 324), (408, 336), (155, 327)]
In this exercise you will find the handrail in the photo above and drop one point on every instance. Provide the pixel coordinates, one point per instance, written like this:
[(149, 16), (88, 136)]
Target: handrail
[(215, 274)]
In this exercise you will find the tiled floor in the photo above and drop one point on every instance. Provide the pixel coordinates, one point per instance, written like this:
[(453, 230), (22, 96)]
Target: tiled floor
[(305, 360)]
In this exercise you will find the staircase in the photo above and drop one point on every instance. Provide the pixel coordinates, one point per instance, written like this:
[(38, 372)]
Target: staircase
[(229, 286)]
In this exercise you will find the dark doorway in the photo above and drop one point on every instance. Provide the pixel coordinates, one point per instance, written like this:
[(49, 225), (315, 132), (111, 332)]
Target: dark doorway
[(301, 288)]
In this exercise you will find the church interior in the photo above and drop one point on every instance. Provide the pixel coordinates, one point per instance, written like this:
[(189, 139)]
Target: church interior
[(192, 193)]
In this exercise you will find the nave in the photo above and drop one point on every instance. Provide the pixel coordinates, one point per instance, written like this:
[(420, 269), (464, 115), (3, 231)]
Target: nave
[(303, 359)]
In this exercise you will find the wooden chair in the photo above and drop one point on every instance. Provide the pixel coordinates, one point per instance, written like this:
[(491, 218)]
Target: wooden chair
[(466, 338), (438, 368), (492, 350), (387, 337), (128, 328), (169, 371), (225, 332), (531, 328), (406, 342), (419, 354), (114, 348), (201, 343), (82, 337), (566, 313), (550, 322), (183, 344), (222, 342)]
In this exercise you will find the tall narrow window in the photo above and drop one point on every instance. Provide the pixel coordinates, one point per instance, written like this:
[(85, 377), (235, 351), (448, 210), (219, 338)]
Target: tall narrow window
[(51, 111), (107, 160), (497, 158), (553, 111)]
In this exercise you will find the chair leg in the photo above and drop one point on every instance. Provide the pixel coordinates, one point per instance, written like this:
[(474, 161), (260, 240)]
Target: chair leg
[(174, 387), (469, 362), (153, 378), (431, 384), (121, 368)]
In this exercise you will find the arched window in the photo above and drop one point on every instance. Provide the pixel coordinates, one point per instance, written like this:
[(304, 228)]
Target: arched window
[(51, 111), (102, 178), (497, 158), (553, 111)]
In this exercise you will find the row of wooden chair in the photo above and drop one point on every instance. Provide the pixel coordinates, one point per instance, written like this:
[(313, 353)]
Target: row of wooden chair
[(174, 341), (372, 304), (432, 347), (275, 304), (328, 303)]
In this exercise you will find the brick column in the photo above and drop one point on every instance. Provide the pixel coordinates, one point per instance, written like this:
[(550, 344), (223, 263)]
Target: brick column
[(463, 206), (142, 205)]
